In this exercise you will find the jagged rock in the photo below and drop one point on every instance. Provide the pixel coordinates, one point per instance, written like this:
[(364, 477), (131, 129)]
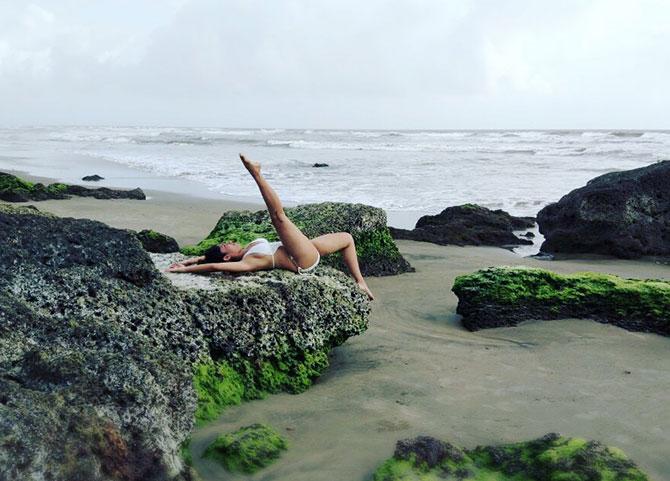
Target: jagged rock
[(377, 253), (248, 449), (104, 361), (153, 241), (468, 224), (317, 164), (15, 189), (92, 178), (624, 214), (550, 457), (505, 296)]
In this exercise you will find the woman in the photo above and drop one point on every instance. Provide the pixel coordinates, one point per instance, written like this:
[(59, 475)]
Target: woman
[(295, 252)]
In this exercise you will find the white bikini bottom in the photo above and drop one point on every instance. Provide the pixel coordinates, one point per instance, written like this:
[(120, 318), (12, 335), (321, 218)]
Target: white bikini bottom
[(309, 269)]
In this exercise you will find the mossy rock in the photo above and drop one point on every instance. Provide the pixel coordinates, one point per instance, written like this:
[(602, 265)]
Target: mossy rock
[(156, 242), (505, 296), (377, 253), (15, 189), (248, 449), (550, 458)]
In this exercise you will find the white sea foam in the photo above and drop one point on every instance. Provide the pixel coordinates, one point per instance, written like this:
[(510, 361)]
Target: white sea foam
[(419, 171)]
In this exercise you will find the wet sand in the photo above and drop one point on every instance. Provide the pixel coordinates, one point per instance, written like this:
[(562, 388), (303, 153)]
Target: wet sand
[(417, 371)]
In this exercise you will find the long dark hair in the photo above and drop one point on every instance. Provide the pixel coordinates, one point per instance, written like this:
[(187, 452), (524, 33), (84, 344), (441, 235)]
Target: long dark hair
[(213, 255)]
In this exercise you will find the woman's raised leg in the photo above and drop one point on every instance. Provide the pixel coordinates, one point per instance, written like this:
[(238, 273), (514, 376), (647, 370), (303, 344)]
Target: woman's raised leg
[(298, 246)]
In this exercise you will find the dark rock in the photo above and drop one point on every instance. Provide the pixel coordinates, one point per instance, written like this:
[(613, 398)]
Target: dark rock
[(551, 457), (506, 296), (624, 214), (377, 253), (428, 450), (317, 164), (153, 241), (529, 235), (468, 224), (98, 349), (92, 178), (15, 189)]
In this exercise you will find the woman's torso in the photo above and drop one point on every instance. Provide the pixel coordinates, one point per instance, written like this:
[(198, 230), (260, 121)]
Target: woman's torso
[(269, 252)]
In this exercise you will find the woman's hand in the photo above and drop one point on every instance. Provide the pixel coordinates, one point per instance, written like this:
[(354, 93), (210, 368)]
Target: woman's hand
[(177, 268), (177, 264)]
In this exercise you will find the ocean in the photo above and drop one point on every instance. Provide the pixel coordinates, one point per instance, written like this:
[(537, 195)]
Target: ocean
[(414, 172)]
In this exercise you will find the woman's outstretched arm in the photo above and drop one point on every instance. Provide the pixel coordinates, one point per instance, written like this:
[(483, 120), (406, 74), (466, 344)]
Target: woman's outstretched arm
[(241, 266)]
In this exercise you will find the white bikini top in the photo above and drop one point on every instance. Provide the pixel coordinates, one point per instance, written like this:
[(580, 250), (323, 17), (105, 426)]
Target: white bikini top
[(263, 247)]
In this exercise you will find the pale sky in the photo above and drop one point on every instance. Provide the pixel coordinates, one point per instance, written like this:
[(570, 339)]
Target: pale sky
[(413, 64)]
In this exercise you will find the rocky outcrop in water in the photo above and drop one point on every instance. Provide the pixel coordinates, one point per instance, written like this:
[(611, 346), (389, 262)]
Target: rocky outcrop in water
[(15, 189), (377, 253), (624, 214), (506, 296), (549, 458), (156, 242), (468, 224), (104, 362), (92, 178)]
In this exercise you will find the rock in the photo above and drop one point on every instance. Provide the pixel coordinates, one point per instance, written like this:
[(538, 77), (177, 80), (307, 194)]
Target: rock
[(550, 457), (528, 235), (105, 363), (248, 449), (15, 189), (92, 178), (317, 164), (505, 296), (377, 253), (624, 214), (153, 241), (468, 224)]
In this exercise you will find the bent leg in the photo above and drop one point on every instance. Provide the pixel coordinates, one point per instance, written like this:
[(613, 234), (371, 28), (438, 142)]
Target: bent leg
[(343, 242), (297, 245)]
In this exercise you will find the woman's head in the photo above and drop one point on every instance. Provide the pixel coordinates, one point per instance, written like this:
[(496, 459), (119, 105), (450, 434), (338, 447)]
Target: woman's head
[(225, 252)]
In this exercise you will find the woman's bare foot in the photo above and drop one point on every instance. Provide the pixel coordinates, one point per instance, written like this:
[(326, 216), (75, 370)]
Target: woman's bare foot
[(366, 289), (254, 168)]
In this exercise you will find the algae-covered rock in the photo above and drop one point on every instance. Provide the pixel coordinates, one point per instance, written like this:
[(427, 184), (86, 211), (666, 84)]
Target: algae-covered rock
[(153, 241), (468, 224), (248, 449), (104, 362), (550, 458), (625, 214), (15, 189), (377, 253), (505, 296)]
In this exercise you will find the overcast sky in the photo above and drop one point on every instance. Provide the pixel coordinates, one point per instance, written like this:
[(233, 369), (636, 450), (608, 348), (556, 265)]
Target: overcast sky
[(337, 64)]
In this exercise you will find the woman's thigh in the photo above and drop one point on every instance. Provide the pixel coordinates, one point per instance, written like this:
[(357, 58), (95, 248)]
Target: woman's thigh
[(297, 245)]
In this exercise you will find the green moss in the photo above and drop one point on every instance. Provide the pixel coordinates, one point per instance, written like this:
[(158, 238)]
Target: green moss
[(551, 458), (247, 450), (537, 293), (57, 188), (222, 383), (217, 385), (185, 452), (11, 182)]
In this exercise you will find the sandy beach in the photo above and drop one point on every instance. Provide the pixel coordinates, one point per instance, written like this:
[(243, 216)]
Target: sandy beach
[(417, 371)]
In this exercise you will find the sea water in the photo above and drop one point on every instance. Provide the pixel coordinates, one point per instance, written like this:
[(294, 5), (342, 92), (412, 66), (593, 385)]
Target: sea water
[(417, 172)]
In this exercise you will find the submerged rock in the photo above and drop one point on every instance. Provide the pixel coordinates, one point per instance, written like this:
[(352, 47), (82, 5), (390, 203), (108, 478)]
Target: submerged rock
[(468, 224), (377, 253), (505, 296), (15, 189), (248, 449), (624, 214), (104, 363), (156, 242), (549, 458), (92, 178), (319, 164)]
